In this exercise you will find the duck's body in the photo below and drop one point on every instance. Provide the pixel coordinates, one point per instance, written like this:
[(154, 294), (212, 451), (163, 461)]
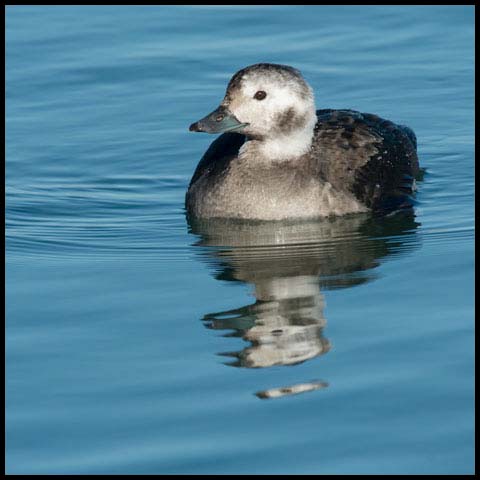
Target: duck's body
[(297, 163)]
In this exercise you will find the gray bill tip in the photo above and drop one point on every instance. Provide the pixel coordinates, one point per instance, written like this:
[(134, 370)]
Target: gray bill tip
[(219, 121)]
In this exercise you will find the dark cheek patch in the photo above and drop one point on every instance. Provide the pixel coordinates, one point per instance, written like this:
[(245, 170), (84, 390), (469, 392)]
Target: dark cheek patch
[(289, 121)]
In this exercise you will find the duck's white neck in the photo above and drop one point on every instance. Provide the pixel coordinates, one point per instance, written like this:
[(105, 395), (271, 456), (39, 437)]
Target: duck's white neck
[(287, 147), (281, 147)]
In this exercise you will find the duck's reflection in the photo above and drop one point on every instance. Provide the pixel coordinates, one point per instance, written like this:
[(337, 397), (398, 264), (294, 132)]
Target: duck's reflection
[(288, 265)]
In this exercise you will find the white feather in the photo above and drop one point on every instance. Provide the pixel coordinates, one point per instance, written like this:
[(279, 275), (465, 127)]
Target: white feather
[(263, 116)]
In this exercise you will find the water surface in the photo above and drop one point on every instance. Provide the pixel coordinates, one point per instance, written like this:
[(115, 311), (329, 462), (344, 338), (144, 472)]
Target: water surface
[(139, 343)]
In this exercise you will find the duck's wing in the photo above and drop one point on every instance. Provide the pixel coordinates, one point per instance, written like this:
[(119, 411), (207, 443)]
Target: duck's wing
[(373, 158), (219, 154)]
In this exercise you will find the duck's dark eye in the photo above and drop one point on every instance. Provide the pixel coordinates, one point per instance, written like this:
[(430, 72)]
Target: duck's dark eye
[(260, 95)]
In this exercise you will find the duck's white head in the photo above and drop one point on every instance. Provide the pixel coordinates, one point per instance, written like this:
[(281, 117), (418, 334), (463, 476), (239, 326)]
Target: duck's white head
[(272, 105)]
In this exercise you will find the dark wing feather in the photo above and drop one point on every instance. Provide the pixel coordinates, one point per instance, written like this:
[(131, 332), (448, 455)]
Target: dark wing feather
[(373, 158)]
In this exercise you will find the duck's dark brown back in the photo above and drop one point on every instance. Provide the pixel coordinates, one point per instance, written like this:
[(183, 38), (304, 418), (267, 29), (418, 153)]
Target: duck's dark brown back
[(373, 158)]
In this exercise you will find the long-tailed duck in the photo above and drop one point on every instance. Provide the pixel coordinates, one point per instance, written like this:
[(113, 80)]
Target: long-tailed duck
[(278, 158)]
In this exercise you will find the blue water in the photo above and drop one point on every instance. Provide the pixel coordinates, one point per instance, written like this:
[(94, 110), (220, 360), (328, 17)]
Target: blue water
[(136, 343)]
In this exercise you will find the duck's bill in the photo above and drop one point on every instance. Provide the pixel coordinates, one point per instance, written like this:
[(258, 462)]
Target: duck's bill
[(219, 121)]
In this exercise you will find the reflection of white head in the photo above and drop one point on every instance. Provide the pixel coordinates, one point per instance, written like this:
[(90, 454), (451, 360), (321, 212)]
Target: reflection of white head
[(277, 104), (288, 324)]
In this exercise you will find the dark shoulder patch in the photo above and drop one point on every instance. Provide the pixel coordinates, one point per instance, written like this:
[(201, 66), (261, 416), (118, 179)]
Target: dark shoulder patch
[(219, 154)]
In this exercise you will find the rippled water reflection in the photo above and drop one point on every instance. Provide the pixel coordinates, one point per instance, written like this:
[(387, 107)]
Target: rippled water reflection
[(289, 265)]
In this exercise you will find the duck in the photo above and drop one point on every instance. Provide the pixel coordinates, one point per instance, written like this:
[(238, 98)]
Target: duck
[(280, 158)]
